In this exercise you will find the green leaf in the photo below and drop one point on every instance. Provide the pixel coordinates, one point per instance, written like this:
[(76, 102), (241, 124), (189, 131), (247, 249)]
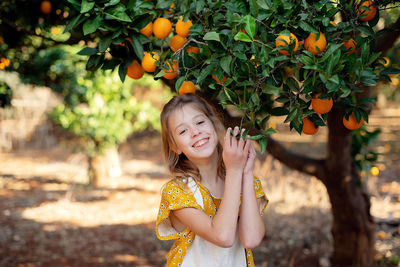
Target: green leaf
[(105, 43), (250, 25), (366, 30), (92, 25), (122, 72), (87, 51), (263, 144), (137, 47), (241, 36), (118, 13), (160, 74), (73, 23), (306, 60), (334, 79), (331, 49), (279, 111), (307, 27), (212, 36), (225, 64), (86, 6)]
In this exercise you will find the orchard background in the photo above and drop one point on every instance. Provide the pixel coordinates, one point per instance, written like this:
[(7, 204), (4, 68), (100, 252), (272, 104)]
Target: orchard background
[(323, 72)]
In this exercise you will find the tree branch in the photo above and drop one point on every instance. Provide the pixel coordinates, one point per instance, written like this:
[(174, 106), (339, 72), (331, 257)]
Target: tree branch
[(385, 41)]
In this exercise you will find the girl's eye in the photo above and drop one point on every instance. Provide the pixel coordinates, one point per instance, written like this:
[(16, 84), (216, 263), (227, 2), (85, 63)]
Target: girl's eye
[(200, 122), (182, 132)]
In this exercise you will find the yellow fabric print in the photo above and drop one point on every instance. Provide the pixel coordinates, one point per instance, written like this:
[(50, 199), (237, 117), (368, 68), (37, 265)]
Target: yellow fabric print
[(175, 196)]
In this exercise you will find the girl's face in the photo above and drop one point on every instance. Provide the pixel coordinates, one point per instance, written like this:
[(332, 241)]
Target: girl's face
[(193, 133)]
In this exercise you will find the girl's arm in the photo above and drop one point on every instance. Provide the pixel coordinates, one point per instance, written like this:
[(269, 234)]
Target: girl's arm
[(251, 224), (221, 229)]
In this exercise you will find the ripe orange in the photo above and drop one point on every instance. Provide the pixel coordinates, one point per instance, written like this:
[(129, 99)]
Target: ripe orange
[(149, 61), (192, 49), (45, 7), (135, 71), (187, 87), (311, 43), (182, 28), (364, 14), (351, 123), (350, 45), (216, 79), (321, 106), (279, 43), (171, 71), (171, 7), (308, 127), (147, 30), (128, 39), (162, 27), (177, 42)]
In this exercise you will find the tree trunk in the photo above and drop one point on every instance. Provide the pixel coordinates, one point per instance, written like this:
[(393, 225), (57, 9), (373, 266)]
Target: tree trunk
[(104, 167), (353, 227)]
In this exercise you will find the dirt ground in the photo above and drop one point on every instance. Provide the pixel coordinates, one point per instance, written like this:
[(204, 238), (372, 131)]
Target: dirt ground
[(50, 217)]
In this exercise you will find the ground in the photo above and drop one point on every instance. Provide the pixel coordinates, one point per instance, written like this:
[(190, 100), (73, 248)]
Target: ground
[(49, 216)]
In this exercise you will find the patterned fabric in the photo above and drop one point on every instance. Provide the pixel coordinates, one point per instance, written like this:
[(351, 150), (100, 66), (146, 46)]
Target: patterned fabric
[(176, 196)]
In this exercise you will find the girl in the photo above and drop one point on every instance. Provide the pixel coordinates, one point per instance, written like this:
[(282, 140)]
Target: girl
[(213, 206)]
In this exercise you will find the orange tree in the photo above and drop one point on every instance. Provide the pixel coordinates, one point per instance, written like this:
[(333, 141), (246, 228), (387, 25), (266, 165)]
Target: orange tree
[(266, 58)]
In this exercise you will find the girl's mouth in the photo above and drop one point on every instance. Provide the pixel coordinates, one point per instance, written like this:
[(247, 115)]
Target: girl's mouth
[(200, 143)]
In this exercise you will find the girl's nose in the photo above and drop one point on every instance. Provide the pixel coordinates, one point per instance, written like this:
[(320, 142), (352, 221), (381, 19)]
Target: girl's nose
[(195, 131)]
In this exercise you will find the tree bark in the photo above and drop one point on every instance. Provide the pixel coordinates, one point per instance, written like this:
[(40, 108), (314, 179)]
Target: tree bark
[(353, 227), (104, 167)]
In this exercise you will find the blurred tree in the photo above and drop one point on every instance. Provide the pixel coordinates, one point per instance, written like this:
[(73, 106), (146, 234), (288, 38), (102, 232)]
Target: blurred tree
[(266, 58)]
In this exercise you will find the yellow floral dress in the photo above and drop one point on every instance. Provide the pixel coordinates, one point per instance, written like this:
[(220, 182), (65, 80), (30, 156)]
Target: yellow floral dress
[(175, 196)]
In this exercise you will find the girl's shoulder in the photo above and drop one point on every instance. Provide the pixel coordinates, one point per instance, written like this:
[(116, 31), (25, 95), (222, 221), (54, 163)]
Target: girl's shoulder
[(177, 185)]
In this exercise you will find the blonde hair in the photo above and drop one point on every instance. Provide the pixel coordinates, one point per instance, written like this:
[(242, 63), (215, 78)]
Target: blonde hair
[(178, 164)]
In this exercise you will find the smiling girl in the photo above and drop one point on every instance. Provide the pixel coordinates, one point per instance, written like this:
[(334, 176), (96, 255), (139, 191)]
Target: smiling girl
[(212, 207)]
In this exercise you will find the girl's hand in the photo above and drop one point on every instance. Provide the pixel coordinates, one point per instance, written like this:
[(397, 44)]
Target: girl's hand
[(235, 152), (249, 167)]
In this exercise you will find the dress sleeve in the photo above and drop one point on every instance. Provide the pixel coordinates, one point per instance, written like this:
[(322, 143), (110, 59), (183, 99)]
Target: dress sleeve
[(173, 197), (260, 194)]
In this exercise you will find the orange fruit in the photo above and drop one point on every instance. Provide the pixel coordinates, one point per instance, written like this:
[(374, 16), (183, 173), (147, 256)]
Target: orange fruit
[(192, 49), (350, 45), (374, 171), (333, 23), (45, 7), (351, 123), (364, 14), (187, 87), (308, 127), (149, 61), (321, 106), (218, 81), (381, 235), (135, 70), (182, 28), (177, 42), (171, 7), (128, 39), (279, 43), (171, 71), (162, 27), (147, 30), (311, 44)]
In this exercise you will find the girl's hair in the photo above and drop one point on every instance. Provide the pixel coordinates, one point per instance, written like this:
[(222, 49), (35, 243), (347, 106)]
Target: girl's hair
[(179, 165)]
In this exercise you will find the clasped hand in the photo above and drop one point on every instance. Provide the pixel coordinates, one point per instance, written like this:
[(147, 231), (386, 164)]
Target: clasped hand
[(238, 154)]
